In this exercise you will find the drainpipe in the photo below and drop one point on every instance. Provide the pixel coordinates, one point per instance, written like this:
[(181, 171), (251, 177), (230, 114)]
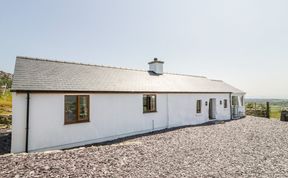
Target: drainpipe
[(167, 105), (231, 111), (27, 122)]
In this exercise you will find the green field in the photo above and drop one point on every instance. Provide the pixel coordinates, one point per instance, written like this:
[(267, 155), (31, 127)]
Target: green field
[(276, 105), (275, 112)]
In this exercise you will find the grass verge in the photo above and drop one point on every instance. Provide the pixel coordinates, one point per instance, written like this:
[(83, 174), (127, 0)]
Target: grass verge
[(275, 112)]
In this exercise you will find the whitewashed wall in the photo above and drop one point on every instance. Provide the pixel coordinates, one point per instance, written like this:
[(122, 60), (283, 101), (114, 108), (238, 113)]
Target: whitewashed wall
[(18, 122), (182, 109), (111, 116)]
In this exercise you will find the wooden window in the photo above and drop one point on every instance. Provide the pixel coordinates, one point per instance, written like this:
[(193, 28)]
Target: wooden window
[(76, 109), (149, 103), (198, 106), (225, 103), (220, 102)]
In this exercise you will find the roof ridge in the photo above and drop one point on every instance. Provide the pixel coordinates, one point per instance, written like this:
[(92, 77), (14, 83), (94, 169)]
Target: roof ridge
[(215, 80), (188, 75), (85, 64), (77, 63)]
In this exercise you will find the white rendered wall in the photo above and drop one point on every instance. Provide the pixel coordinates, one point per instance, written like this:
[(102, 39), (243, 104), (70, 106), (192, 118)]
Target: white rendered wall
[(182, 109), (111, 116), (18, 122)]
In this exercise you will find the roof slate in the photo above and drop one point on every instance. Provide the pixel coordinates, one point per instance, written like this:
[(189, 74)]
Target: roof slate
[(33, 74)]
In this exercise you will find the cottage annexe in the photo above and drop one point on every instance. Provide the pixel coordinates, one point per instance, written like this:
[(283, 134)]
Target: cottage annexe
[(59, 105)]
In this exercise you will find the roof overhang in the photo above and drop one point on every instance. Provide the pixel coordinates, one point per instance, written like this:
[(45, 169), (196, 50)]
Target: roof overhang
[(160, 92)]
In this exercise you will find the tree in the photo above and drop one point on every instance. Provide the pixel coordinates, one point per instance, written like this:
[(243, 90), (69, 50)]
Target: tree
[(6, 81)]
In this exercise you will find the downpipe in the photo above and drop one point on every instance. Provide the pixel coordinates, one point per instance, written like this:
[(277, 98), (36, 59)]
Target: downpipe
[(27, 123), (231, 109)]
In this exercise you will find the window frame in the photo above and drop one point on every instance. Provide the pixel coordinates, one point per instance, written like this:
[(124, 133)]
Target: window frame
[(149, 95), (225, 104), (199, 110), (78, 120)]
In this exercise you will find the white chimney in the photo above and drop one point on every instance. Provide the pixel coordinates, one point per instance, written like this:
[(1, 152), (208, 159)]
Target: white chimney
[(156, 66)]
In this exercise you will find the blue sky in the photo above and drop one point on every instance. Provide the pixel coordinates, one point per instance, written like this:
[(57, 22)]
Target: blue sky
[(243, 42)]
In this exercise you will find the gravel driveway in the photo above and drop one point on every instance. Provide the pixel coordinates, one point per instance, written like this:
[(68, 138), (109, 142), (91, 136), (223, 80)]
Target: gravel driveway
[(250, 147)]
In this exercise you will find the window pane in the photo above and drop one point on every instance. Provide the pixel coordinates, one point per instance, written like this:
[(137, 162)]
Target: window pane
[(198, 106), (153, 103), (148, 103), (83, 107), (145, 108), (71, 108), (234, 100), (144, 100)]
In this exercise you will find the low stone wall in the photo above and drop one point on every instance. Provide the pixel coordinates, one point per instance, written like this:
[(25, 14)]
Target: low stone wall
[(257, 112), (5, 141), (284, 116)]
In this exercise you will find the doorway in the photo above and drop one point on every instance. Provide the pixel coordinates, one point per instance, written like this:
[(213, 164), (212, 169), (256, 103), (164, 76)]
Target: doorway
[(212, 108)]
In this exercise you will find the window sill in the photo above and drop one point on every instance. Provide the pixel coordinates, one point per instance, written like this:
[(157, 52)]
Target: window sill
[(77, 122), (149, 112)]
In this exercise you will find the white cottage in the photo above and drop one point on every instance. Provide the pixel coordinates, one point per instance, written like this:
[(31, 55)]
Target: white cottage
[(59, 105)]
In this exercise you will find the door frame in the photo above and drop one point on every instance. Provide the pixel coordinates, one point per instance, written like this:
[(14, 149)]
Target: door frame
[(212, 108)]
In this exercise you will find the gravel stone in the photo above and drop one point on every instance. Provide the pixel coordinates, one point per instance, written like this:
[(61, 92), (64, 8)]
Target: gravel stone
[(250, 147)]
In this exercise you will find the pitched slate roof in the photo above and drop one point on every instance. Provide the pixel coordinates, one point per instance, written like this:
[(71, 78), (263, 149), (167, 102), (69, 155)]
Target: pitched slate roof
[(33, 74)]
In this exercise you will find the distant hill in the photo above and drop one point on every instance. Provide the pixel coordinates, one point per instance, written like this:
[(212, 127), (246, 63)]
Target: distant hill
[(5, 75), (5, 78)]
